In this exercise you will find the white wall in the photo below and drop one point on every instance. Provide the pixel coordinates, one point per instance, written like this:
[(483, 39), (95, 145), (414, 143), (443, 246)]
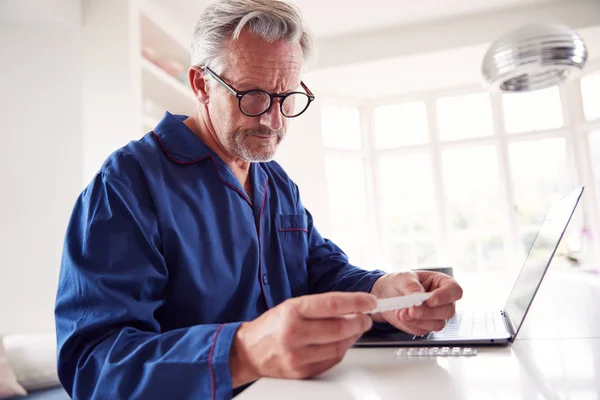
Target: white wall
[(111, 80), (40, 165)]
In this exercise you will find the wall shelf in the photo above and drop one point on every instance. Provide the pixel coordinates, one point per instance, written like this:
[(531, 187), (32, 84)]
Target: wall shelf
[(161, 41), (165, 90)]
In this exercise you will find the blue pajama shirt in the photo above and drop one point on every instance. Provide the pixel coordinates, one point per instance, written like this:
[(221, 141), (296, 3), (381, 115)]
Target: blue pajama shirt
[(165, 256)]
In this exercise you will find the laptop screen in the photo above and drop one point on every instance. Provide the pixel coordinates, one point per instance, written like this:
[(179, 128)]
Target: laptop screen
[(540, 255)]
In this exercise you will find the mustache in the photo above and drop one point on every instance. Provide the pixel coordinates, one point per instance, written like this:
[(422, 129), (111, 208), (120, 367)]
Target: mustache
[(262, 131)]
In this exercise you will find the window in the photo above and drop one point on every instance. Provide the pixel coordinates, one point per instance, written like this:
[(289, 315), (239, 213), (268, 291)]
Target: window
[(346, 179), (594, 139), (440, 181), (401, 125), (472, 187), (590, 92), (347, 197), (463, 117), (341, 127), (407, 195), (537, 183), (530, 111)]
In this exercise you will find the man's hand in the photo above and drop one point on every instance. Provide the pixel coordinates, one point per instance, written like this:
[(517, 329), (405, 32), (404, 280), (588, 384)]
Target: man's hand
[(433, 314), (301, 337)]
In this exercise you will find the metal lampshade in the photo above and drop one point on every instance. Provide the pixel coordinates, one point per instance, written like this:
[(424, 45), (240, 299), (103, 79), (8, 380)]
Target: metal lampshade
[(534, 57)]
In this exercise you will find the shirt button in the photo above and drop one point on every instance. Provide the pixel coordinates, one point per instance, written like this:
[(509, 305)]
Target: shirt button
[(265, 279)]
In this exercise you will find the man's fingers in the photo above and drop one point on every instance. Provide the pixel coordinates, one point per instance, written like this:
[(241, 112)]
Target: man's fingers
[(333, 304), (448, 292), (396, 318), (427, 325), (311, 360), (425, 312), (329, 330), (413, 329), (401, 320), (311, 370), (410, 284), (330, 351)]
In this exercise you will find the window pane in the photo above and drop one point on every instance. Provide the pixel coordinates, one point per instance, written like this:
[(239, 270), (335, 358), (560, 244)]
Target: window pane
[(530, 111), (477, 217), (408, 210), (590, 91), (540, 175), (594, 139), (348, 206), (586, 238), (401, 125), (463, 117), (341, 127)]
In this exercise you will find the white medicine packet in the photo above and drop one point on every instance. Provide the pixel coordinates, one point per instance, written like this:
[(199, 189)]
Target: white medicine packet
[(397, 303)]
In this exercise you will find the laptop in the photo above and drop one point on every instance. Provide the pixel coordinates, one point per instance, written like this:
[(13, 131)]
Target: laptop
[(492, 327)]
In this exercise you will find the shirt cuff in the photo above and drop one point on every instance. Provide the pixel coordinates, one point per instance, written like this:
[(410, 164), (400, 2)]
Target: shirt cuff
[(218, 361), (376, 275)]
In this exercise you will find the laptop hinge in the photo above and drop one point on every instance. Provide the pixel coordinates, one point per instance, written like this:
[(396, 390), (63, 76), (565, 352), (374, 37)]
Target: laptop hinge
[(509, 324)]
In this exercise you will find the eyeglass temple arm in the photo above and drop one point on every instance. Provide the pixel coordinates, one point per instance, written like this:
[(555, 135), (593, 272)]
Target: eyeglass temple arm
[(308, 92), (221, 81)]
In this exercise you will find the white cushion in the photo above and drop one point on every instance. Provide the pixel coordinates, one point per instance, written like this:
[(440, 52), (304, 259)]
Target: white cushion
[(9, 386), (33, 359)]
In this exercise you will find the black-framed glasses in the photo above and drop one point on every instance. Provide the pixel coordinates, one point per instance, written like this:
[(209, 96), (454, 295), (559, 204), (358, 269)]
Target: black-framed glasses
[(256, 102)]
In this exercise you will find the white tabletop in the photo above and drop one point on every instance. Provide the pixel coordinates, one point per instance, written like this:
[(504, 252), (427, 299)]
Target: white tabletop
[(556, 356)]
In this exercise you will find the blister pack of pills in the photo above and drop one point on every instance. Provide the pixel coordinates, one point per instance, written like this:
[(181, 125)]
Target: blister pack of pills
[(436, 352)]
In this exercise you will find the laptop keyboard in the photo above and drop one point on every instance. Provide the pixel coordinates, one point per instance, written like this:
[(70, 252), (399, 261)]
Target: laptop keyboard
[(470, 324)]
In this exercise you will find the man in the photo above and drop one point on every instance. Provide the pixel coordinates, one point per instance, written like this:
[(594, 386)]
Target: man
[(191, 267)]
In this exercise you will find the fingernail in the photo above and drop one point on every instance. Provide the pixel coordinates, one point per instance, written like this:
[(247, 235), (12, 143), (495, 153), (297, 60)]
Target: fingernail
[(403, 314), (405, 317), (417, 313), (368, 324), (373, 303)]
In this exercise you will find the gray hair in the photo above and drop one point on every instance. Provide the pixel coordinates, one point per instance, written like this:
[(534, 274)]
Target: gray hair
[(271, 20)]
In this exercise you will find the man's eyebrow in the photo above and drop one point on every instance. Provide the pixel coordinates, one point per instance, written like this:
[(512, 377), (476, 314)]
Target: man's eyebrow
[(247, 87)]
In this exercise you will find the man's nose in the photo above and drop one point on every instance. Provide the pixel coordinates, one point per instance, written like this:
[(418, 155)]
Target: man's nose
[(273, 118)]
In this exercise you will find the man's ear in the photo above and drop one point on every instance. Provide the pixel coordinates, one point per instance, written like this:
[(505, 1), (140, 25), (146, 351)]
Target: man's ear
[(198, 84)]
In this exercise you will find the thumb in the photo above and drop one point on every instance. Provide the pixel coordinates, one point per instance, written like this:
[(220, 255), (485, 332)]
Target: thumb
[(410, 284)]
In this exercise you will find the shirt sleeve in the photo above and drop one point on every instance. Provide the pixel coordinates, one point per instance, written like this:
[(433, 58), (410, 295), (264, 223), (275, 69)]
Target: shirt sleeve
[(328, 266), (112, 281)]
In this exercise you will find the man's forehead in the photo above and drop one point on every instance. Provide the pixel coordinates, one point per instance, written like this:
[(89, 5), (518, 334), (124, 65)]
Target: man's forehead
[(250, 50)]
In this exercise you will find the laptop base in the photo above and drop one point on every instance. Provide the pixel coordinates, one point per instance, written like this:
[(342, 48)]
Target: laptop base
[(465, 328)]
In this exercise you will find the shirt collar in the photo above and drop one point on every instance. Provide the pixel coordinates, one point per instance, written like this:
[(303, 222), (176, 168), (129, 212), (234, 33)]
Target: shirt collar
[(179, 142), (182, 146)]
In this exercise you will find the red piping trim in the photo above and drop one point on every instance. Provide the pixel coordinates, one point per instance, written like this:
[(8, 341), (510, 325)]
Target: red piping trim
[(210, 367), (293, 230), (260, 277), (197, 160)]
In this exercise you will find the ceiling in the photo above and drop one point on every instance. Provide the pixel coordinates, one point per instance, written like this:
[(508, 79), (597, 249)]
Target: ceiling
[(326, 18), (400, 76)]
